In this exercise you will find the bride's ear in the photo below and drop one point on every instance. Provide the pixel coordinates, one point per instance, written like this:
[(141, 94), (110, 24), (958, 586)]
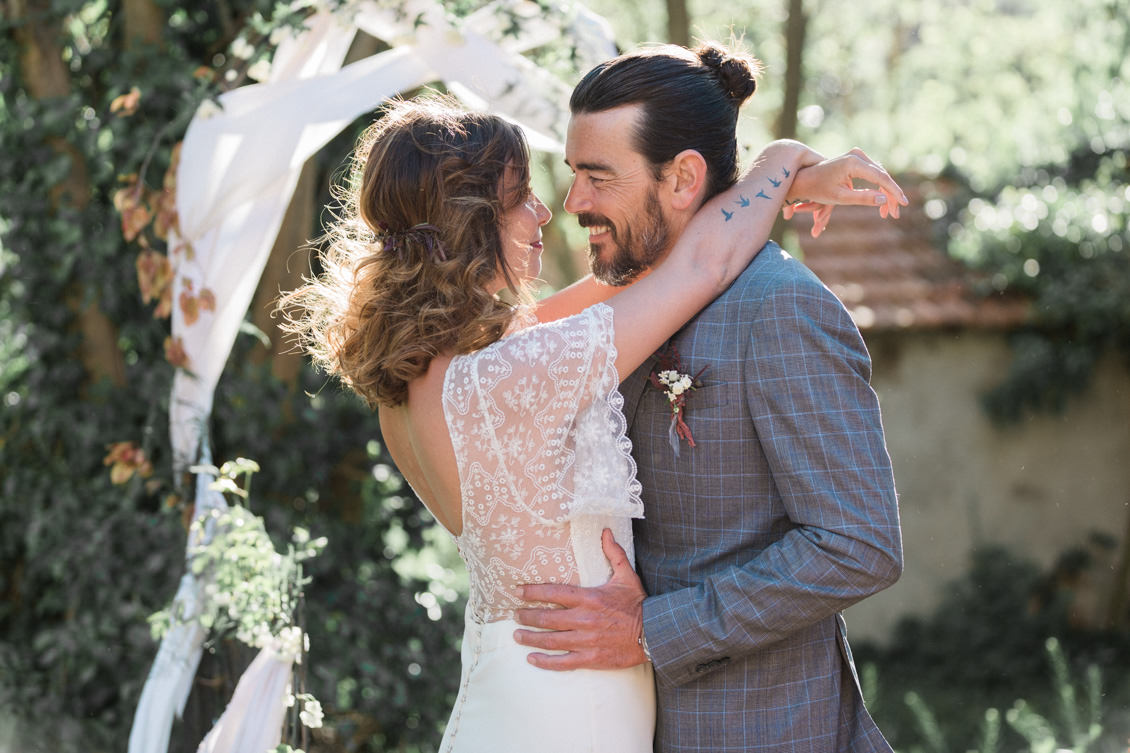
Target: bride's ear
[(687, 176)]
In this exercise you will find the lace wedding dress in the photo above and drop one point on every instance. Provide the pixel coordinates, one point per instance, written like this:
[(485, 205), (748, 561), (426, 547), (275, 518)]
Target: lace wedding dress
[(544, 467)]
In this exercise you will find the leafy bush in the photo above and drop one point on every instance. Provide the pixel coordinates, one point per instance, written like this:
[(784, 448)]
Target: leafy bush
[(1000, 640)]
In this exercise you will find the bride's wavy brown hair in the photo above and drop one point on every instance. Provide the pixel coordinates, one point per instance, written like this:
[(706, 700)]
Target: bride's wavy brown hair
[(391, 295)]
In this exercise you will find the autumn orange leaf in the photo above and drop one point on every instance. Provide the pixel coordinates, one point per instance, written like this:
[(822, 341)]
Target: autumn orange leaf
[(165, 214), (175, 352), (130, 202), (126, 459), (166, 202), (154, 273), (126, 104), (190, 307), (155, 279), (165, 305)]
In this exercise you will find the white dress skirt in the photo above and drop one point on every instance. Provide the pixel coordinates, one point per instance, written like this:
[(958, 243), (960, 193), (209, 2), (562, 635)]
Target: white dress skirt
[(507, 705)]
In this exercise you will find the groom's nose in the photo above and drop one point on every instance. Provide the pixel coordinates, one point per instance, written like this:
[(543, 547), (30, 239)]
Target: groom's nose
[(577, 200)]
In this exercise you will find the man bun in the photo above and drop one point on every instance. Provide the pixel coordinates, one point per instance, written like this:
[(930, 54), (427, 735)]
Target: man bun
[(689, 99), (737, 72)]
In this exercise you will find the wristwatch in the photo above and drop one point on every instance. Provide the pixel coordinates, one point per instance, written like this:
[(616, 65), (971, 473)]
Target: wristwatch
[(642, 640)]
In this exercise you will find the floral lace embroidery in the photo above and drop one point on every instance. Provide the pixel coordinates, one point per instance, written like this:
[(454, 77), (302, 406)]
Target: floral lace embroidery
[(544, 460)]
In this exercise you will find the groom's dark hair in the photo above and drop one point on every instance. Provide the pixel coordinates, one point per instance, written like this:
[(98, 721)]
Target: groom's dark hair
[(690, 100)]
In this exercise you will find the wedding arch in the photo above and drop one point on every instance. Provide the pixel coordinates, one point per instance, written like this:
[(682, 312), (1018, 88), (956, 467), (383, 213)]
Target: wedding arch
[(239, 165)]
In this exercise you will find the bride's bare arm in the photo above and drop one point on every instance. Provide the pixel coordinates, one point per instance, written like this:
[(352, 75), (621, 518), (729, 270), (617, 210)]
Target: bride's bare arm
[(574, 298), (721, 239)]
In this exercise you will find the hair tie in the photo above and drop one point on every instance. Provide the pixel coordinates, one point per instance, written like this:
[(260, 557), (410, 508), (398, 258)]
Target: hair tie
[(424, 233)]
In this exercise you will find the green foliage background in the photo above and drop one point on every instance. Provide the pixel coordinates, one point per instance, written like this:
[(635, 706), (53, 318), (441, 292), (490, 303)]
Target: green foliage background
[(82, 561), (1026, 124)]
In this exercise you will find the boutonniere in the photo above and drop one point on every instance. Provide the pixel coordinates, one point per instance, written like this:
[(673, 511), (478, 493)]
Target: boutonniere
[(675, 381)]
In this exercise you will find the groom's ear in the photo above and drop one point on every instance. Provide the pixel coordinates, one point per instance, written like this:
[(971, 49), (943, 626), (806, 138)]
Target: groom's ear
[(687, 176)]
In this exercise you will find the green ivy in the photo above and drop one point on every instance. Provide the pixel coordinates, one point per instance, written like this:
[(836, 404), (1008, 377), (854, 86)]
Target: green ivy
[(1060, 236), (85, 561)]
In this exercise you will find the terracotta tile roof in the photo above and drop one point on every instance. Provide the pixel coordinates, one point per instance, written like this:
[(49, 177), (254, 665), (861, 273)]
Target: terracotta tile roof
[(890, 274)]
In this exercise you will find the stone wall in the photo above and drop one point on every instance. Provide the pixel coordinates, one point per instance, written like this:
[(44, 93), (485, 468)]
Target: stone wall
[(1038, 488)]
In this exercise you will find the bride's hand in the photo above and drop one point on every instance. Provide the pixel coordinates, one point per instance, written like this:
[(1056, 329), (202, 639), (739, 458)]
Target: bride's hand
[(821, 187)]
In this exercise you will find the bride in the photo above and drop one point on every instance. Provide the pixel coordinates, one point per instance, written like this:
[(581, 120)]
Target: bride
[(505, 419)]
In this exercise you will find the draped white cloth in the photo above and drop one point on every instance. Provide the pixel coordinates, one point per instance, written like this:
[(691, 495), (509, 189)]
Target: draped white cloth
[(254, 718), (170, 678), (239, 166)]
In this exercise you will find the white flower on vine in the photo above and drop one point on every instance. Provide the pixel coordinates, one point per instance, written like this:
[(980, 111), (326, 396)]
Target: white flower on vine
[(311, 714), (242, 49), (291, 641), (207, 109), (260, 70)]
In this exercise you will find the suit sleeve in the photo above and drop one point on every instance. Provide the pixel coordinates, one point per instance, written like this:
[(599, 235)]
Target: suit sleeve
[(807, 381)]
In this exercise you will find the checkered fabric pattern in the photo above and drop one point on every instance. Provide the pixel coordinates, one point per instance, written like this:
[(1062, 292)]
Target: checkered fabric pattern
[(782, 515)]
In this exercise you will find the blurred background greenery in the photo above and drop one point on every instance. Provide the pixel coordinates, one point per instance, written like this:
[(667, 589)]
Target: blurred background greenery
[(1001, 99)]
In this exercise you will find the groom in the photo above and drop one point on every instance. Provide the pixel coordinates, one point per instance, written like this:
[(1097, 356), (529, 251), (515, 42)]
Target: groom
[(782, 514)]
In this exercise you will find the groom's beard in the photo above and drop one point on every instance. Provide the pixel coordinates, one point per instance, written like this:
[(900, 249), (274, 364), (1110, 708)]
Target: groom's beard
[(634, 252)]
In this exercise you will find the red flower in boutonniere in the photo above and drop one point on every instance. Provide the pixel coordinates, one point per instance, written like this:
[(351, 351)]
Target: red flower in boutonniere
[(672, 379)]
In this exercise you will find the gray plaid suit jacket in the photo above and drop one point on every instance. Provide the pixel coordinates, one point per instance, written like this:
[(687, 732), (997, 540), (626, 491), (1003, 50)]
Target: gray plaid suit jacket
[(782, 515)]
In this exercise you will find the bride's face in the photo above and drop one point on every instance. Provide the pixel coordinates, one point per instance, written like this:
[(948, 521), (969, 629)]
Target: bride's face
[(520, 231)]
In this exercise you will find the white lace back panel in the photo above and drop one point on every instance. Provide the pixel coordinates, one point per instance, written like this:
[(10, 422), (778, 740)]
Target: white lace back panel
[(544, 461)]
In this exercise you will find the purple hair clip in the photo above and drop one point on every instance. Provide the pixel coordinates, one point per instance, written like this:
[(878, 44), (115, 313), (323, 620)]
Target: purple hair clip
[(424, 233)]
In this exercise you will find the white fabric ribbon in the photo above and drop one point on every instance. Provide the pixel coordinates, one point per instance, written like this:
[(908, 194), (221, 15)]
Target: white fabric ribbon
[(170, 678), (253, 720)]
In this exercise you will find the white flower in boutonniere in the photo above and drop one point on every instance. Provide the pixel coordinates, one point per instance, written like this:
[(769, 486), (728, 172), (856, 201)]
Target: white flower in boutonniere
[(676, 383)]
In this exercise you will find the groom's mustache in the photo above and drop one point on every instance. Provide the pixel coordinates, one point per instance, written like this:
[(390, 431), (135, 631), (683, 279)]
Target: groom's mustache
[(588, 219)]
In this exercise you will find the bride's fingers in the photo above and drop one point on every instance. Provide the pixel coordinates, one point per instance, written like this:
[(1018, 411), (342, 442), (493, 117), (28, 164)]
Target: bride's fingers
[(857, 165), (803, 207), (882, 179), (821, 215)]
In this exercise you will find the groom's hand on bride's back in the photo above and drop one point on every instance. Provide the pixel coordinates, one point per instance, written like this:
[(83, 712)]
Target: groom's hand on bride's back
[(599, 627)]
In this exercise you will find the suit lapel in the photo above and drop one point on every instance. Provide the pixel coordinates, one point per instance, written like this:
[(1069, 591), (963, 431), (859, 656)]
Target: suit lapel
[(632, 388)]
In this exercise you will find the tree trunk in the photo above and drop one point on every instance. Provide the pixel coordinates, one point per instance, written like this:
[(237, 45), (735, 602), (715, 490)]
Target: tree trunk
[(144, 22), (678, 23), (289, 261), (796, 27), (45, 76)]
